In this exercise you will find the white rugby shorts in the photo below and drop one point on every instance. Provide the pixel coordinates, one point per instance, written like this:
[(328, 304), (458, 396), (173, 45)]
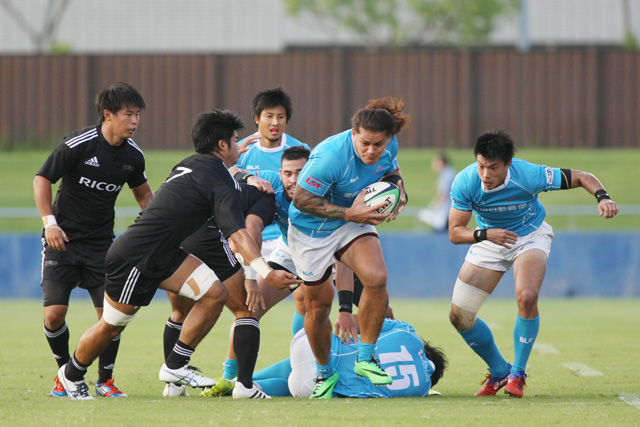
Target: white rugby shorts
[(488, 255), (282, 256), (312, 256)]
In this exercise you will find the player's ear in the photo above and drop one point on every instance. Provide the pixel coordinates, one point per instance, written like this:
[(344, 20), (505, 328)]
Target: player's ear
[(256, 119), (222, 145)]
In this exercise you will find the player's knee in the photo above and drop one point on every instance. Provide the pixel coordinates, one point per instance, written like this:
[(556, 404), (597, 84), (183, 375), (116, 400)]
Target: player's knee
[(317, 310), (376, 282), (114, 317), (199, 284), (528, 299), (53, 320), (462, 320), (465, 304)]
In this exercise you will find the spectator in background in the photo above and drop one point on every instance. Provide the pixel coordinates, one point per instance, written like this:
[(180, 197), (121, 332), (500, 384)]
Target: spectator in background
[(436, 214)]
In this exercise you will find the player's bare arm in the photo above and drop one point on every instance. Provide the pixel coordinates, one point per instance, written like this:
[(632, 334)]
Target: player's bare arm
[(318, 206), (606, 207), (249, 178), (249, 251), (142, 194), (55, 236), (460, 233)]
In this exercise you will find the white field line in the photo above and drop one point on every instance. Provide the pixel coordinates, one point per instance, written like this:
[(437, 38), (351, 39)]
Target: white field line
[(582, 369), (544, 348), (631, 399)]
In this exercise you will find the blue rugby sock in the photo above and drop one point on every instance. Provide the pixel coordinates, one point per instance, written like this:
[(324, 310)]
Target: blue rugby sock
[(280, 369), (230, 367), (325, 370), (275, 387), (480, 339), (365, 351), (525, 332), (297, 322)]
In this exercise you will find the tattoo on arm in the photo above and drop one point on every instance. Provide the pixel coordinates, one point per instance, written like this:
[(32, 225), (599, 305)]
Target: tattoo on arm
[(318, 206)]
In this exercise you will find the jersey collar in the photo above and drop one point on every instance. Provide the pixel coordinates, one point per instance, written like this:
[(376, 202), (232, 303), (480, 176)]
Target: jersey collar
[(499, 187)]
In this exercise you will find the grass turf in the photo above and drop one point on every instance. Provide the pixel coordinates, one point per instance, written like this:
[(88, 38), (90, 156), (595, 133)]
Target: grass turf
[(598, 333)]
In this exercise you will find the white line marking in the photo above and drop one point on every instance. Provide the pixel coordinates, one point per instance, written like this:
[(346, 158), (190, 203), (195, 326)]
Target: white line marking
[(582, 369), (544, 348), (631, 399)]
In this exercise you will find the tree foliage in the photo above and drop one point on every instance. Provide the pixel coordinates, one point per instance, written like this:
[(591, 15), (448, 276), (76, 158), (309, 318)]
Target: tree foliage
[(397, 23)]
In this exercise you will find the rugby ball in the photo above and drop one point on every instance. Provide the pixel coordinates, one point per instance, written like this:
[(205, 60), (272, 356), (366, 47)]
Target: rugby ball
[(382, 191)]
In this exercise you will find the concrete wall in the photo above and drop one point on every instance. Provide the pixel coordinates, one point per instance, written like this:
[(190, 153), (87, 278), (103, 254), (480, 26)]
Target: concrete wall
[(420, 265)]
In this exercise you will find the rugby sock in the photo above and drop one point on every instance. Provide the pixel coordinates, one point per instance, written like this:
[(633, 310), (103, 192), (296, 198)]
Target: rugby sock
[(59, 343), (297, 323), (180, 355), (281, 369), (107, 361), (365, 351), (480, 339), (326, 370), (75, 370), (275, 387), (525, 332), (171, 334), (246, 343), (230, 369)]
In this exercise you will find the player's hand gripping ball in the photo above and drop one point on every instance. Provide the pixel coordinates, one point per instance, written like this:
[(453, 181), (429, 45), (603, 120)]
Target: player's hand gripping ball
[(382, 191)]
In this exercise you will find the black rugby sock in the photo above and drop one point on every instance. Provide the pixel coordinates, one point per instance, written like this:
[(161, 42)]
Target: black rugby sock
[(75, 370), (171, 334), (180, 355), (59, 343), (107, 361), (246, 344)]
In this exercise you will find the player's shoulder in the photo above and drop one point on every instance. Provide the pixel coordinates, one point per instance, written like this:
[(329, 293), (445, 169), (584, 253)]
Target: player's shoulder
[(134, 148), (335, 143), (80, 138), (293, 142)]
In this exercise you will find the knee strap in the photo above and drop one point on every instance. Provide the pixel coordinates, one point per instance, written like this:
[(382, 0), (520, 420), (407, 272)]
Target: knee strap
[(115, 317), (198, 283), (468, 297)]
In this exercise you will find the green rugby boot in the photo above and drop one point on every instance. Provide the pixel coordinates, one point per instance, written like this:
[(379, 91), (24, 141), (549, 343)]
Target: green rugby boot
[(372, 370), (324, 386)]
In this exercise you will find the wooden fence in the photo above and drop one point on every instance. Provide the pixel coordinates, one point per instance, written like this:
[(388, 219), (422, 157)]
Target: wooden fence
[(570, 98)]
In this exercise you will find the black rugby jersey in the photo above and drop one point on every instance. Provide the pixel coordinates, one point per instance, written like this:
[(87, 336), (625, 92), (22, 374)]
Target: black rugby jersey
[(93, 172), (198, 188)]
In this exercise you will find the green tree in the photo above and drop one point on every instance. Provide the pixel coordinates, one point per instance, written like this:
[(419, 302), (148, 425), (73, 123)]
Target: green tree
[(397, 23)]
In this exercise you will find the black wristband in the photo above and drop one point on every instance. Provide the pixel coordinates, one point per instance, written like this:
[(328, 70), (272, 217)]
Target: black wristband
[(601, 194), (345, 299), (480, 234), (395, 179), (242, 176)]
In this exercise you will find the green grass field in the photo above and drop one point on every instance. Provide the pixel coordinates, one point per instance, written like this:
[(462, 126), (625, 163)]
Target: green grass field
[(616, 168), (575, 335)]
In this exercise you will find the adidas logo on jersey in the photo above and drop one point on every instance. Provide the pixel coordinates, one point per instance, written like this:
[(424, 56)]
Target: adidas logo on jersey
[(93, 162)]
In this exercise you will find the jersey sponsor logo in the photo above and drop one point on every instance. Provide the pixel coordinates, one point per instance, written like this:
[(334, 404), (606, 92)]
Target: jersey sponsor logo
[(127, 167), (354, 180), (102, 186), (93, 162), (549, 173), (313, 181), (252, 167)]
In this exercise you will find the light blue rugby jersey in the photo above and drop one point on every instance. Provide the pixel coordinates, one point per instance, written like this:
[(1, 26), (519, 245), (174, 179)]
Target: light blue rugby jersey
[(402, 356), (514, 205), (335, 172), (259, 158), (282, 204)]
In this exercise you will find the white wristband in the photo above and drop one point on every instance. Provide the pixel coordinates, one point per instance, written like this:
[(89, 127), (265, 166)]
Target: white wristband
[(49, 221), (261, 267)]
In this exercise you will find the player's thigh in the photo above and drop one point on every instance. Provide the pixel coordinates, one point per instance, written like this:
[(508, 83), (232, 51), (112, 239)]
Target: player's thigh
[(479, 277), (529, 269), (364, 257)]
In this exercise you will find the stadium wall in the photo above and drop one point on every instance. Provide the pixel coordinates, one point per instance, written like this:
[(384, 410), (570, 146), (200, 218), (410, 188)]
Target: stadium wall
[(420, 266), (565, 98)]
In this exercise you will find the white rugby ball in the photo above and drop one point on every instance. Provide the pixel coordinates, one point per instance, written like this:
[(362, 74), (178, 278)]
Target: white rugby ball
[(382, 191)]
